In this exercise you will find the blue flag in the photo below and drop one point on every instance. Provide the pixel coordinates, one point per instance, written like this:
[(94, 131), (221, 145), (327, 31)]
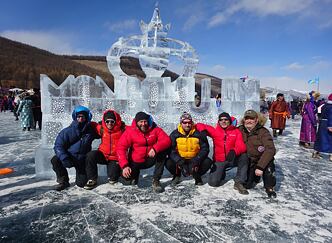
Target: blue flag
[(313, 81)]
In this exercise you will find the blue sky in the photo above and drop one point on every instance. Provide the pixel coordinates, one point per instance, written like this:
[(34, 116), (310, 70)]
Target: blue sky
[(284, 43)]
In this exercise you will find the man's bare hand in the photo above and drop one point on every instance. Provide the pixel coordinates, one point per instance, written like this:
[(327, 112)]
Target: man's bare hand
[(126, 172), (152, 153), (258, 172)]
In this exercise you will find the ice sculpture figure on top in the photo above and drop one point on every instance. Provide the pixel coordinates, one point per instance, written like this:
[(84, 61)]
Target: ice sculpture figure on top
[(156, 95)]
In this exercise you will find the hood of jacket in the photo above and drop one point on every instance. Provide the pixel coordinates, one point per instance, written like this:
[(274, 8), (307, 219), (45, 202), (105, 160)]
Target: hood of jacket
[(80, 109)]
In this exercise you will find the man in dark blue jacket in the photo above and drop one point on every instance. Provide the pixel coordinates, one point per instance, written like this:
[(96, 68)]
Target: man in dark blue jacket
[(71, 146)]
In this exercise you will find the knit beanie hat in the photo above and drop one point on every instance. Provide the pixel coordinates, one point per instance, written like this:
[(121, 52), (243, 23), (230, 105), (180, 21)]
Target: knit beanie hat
[(109, 115), (185, 116), (141, 116), (225, 115)]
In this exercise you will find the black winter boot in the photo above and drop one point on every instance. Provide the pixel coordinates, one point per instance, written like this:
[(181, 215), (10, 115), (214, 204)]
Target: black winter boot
[(156, 187), (275, 133), (176, 180), (198, 181), (61, 186), (271, 193), (242, 190)]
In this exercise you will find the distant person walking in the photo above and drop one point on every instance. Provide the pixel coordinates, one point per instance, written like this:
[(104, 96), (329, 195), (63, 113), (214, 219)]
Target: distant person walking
[(309, 121), (295, 108), (25, 112), (278, 113), (323, 143), (36, 109)]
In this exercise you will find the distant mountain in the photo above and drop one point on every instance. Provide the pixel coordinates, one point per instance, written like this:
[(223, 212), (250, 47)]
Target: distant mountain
[(293, 93), (22, 64)]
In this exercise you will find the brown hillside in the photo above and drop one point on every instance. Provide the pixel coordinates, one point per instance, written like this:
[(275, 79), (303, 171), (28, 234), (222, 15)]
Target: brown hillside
[(21, 66)]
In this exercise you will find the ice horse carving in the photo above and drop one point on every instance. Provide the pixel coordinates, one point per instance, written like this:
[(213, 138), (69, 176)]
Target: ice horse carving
[(157, 95)]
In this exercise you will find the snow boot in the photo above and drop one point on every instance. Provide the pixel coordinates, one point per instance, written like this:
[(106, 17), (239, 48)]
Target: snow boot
[(280, 132), (316, 155), (62, 186), (156, 187), (112, 181), (275, 133), (198, 181), (242, 190), (271, 193), (176, 180), (90, 184)]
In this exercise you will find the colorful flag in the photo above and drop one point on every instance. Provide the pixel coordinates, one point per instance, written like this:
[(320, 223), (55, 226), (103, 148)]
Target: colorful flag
[(313, 81), (244, 78)]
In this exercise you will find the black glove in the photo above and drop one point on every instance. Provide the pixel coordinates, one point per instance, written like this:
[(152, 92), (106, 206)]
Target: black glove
[(231, 156)]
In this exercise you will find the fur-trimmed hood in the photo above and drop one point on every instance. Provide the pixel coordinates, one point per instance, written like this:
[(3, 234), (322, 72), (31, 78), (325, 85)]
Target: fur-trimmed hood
[(261, 120)]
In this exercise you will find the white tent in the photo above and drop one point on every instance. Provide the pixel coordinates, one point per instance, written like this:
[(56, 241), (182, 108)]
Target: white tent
[(15, 90)]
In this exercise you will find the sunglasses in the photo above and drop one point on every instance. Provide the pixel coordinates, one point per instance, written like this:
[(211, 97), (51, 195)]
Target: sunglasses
[(188, 122), (223, 119), (79, 116), (110, 121)]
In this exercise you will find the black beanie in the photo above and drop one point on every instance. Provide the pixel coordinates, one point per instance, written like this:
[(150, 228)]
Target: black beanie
[(141, 116), (109, 115), (226, 115), (84, 113)]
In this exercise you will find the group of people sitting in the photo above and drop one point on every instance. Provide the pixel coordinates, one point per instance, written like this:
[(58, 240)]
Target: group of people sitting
[(126, 150)]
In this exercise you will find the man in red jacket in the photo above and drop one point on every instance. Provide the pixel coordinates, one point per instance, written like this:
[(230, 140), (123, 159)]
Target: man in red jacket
[(229, 151), (141, 146), (110, 131)]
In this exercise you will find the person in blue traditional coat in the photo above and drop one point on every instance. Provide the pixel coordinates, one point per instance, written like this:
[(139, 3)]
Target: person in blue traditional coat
[(323, 142), (71, 146), (25, 112)]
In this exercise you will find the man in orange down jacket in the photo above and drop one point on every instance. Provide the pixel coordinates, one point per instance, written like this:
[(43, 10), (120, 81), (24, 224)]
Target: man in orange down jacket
[(110, 131), (278, 113), (141, 146), (229, 151)]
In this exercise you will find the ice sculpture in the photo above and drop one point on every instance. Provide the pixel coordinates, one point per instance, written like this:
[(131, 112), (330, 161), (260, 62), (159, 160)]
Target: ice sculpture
[(157, 95)]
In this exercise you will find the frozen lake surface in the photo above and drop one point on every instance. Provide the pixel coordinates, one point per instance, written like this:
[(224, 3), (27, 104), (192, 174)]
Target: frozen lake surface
[(32, 212)]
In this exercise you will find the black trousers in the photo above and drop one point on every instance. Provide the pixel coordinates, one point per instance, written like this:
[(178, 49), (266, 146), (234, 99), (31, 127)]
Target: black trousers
[(269, 178), (62, 173), (218, 172), (97, 157), (204, 166), (158, 162)]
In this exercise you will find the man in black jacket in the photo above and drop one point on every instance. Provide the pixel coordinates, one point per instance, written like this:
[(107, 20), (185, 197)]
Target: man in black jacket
[(189, 152)]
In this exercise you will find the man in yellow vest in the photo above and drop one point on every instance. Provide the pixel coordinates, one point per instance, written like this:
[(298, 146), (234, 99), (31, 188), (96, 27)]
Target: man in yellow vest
[(189, 152)]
